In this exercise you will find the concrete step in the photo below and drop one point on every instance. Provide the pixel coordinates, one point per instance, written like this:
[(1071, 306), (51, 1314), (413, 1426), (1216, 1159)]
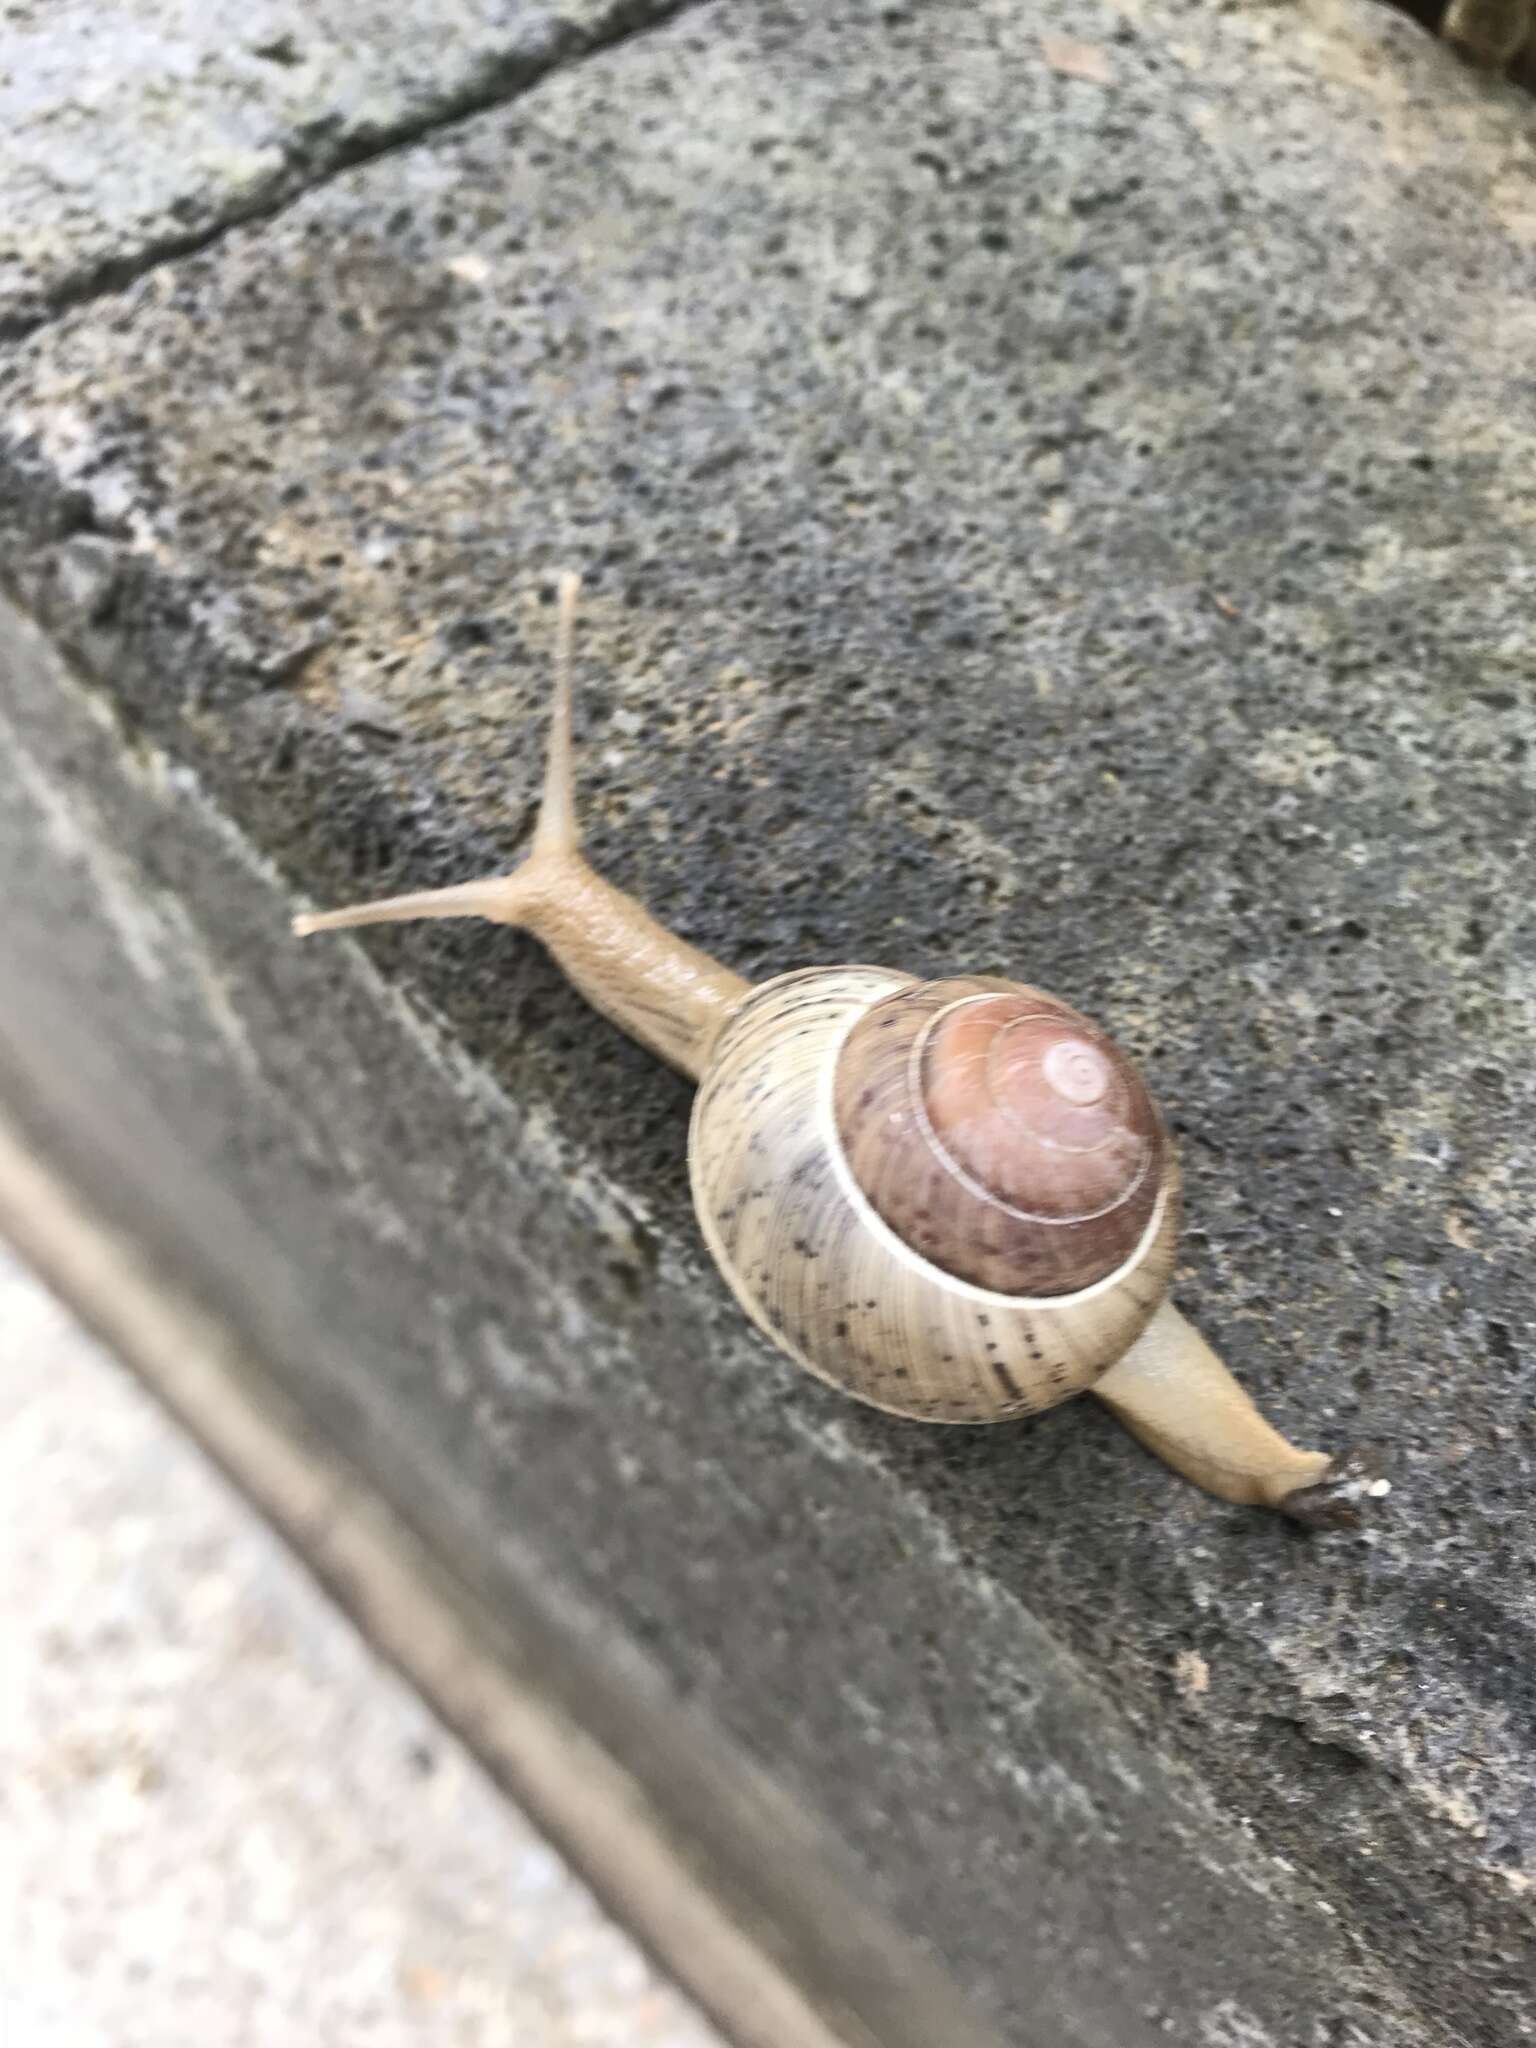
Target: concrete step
[(1052, 491)]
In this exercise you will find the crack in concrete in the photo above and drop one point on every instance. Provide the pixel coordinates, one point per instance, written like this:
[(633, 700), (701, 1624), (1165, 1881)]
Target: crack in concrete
[(308, 165)]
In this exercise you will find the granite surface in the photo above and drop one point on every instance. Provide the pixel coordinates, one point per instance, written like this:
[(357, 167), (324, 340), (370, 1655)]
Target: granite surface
[(318, 1860), (135, 132), (1055, 498)]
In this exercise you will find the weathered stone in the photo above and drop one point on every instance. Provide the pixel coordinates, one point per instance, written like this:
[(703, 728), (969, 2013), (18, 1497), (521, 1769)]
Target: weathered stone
[(133, 132), (1033, 523), (451, 1291)]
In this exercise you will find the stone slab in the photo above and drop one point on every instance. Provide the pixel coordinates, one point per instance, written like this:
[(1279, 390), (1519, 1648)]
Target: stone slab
[(131, 132), (713, 1591), (1075, 525), (291, 1303)]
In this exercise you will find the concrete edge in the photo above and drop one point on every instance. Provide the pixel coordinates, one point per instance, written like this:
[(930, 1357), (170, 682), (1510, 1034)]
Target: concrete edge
[(788, 1968)]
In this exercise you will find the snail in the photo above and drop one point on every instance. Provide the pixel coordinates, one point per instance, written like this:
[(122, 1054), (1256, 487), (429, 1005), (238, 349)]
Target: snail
[(953, 1199)]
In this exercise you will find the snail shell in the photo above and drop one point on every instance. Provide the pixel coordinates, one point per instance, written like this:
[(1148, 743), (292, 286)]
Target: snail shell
[(952, 1199)]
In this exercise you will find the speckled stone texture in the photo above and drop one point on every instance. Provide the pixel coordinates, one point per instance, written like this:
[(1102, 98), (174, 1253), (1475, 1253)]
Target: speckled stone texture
[(130, 132), (1070, 525), (316, 1859)]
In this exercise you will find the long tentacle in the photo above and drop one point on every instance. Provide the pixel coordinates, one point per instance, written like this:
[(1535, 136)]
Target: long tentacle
[(557, 830), (655, 986), (512, 898)]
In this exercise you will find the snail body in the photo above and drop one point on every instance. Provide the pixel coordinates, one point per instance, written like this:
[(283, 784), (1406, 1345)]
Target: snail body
[(955, 1200)]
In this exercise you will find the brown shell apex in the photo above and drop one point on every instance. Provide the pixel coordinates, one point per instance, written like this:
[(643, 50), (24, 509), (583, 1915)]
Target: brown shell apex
[(1002, 1136)]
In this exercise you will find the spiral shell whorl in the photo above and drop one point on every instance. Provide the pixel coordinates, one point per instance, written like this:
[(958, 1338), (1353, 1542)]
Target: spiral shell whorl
[(815, 1266), (1000, 1133)]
